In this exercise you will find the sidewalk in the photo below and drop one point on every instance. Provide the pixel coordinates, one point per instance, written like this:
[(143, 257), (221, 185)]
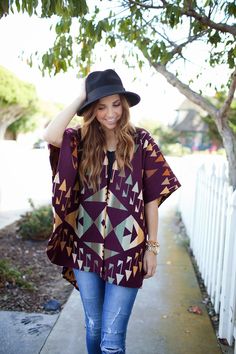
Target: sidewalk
[(22, 332), (160, 322)]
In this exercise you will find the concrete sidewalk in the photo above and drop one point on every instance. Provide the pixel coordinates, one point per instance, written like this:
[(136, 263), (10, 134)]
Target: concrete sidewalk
[(160, 322)]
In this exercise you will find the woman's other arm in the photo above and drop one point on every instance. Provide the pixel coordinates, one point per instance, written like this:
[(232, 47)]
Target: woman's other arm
[(151, 218), (53, 134)]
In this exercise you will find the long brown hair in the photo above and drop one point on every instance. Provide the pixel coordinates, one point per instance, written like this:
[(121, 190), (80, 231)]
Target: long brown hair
[(94, 144)]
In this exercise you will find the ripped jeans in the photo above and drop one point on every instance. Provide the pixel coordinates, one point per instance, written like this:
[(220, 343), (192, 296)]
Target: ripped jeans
[(107, 309)]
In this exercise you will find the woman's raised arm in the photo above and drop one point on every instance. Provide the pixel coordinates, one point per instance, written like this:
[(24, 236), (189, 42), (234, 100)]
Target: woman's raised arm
[(54, 132)]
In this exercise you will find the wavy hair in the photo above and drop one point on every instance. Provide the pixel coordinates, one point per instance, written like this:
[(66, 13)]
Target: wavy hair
[(94, 144)]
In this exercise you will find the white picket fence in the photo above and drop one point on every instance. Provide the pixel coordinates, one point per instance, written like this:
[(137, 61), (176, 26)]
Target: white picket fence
[(208, 211)]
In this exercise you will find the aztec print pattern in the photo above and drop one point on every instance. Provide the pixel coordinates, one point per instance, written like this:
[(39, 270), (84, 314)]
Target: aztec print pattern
[(105, 231)]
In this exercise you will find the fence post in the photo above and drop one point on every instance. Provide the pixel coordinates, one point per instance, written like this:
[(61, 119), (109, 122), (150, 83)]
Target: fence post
[(228, 293)]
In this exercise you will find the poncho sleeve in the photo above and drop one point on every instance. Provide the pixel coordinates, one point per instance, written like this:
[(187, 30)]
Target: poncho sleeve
[(63, 155), (159, 181), (54, 153)]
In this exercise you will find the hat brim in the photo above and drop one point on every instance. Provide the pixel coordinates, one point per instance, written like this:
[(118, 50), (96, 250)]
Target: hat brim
[(132, 98)]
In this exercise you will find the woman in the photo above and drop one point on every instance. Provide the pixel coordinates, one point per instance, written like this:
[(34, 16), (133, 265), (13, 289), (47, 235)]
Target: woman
[(109, 178)]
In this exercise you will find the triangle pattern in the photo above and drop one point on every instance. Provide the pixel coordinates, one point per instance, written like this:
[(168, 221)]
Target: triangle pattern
[(119, 277), (116, 216), (80, 263), (149, 173), (63, 186), (109, 254), (139, 239), (95, 209), (56, 178), (96, 247), (128, 274), (135, 188), (86, 269), (154, 154), (166, 181), (98, 196), (84, 222), (58, 220), (160, 158), (129, 180), (166, 172), (126, 242), (74, 255), (110, 280), (165, 191), (115, 203), (135, 268), (149, 147), (71, 219)]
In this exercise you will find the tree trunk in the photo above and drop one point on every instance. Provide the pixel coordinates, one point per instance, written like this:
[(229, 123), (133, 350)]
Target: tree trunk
[(3, 128), (8, 115), (220, 116), (229, 141)]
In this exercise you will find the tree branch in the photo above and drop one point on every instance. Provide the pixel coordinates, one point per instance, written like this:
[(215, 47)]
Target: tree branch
[(185, 90), (144, 5), (178, 48), (223, 27), (223, 112), (10, 114), (190, 12)]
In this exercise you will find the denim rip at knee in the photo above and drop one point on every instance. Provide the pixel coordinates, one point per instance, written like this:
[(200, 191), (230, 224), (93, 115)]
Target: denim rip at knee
[(114, 329), (93, 319)]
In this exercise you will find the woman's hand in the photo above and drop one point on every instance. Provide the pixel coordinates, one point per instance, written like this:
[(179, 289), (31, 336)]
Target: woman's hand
[(82, 92), (149, 264)]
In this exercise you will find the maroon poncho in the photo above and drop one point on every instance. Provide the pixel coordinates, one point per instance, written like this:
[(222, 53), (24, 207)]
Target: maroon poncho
[(105, 231)]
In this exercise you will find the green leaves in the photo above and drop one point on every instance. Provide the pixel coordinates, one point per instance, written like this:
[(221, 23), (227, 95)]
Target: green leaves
[(215, 38), (230, 9), (45, 8), (63, 26), (143, 28), (232, 57), (59, 57), (15, 91), (172, 15)]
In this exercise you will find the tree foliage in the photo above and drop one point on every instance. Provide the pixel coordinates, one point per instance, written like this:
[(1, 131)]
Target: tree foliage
[(158, 32), (18, 102)]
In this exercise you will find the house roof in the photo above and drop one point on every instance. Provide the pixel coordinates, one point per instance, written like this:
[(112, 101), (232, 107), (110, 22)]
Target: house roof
[(191, 122)]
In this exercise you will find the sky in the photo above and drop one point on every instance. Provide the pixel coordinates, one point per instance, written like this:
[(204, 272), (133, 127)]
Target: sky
[(21, 33)]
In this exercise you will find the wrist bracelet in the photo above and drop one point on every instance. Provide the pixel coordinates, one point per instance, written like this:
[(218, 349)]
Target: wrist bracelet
[(153, 246)]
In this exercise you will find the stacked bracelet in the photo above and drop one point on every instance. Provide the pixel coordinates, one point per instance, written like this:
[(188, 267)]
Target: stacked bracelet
[(153, 246)]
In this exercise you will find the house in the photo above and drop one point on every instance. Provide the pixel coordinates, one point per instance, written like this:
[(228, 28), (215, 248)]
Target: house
[(193, 131)]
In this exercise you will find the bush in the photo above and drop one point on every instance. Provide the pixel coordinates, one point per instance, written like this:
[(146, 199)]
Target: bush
[(175, 149), (36, 224), (11, 275)]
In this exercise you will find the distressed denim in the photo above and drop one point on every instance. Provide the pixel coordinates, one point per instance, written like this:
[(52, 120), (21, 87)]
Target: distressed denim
[(107, 309)]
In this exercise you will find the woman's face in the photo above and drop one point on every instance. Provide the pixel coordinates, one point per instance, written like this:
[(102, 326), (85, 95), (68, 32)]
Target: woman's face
[(109, 111)]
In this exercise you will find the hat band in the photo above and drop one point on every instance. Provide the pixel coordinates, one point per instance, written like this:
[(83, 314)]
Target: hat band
[(105, 91)]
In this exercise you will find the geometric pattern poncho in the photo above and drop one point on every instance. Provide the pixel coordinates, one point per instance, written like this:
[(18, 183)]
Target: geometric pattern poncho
[(105, 231)]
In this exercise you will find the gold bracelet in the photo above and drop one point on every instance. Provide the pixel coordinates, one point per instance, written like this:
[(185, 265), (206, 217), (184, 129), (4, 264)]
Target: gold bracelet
[(153, 246)]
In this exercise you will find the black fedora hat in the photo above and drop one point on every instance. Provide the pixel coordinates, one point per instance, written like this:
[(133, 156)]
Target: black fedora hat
[(105, 83)]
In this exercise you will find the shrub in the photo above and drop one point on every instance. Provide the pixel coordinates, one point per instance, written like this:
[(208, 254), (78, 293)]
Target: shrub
[(10, 274), (175, 149), (36, 224)]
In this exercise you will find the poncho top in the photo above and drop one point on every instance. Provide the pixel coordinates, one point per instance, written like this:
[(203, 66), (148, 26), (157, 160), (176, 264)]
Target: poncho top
[(105, 231)]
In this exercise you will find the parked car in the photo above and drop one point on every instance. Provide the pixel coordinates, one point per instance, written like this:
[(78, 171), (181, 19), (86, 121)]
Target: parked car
[(40, 144)]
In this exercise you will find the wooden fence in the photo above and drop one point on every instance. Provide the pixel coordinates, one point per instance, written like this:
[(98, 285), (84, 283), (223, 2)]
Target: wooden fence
[(209, 214)]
